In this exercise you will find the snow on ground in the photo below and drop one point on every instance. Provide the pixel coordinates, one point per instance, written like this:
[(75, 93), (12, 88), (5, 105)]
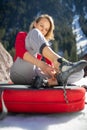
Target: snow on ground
[(67, 121), (82, 81)]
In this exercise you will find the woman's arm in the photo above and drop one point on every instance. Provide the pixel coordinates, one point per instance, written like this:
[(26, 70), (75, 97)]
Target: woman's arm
[(52, 56), (45, 68)]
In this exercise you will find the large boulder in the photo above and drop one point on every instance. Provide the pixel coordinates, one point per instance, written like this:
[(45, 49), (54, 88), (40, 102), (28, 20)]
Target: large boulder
[(6, 61)]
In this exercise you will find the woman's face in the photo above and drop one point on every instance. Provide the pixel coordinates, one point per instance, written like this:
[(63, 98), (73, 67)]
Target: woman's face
[(43, 26)]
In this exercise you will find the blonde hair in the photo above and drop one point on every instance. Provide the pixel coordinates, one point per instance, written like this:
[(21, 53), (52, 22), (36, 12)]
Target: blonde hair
[(50, 33)]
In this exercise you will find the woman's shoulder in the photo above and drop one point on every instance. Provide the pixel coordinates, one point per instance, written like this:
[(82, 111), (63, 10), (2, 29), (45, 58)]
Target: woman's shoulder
[(35, 31)]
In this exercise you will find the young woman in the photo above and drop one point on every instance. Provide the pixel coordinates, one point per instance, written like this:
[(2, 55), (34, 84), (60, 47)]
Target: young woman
[(35, 44)]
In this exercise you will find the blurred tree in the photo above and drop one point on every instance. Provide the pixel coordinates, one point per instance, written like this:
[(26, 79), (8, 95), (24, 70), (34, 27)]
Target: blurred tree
[(2, 33), (17, 15), (73, 54), (66, 55)]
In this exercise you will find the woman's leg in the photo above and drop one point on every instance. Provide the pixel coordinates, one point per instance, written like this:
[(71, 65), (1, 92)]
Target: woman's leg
[(66, 68), (75, 77), (22, 72)]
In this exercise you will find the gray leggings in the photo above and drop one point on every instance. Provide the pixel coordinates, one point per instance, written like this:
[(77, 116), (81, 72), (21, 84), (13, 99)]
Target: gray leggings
[(23, 72)]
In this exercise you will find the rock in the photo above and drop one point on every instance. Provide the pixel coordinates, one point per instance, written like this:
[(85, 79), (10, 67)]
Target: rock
[(6, 61)]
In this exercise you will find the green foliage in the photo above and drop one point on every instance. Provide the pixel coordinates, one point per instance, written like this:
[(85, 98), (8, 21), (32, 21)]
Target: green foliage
[(16, 15), (73, 55), (66, 56), (55, 46), (2, 33), (12, 52)]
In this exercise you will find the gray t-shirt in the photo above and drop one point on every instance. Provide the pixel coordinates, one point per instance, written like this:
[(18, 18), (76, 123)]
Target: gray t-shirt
[(34, 40)]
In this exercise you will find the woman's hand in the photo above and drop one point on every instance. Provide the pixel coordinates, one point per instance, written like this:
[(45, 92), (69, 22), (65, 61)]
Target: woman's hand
[(47, 69)]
